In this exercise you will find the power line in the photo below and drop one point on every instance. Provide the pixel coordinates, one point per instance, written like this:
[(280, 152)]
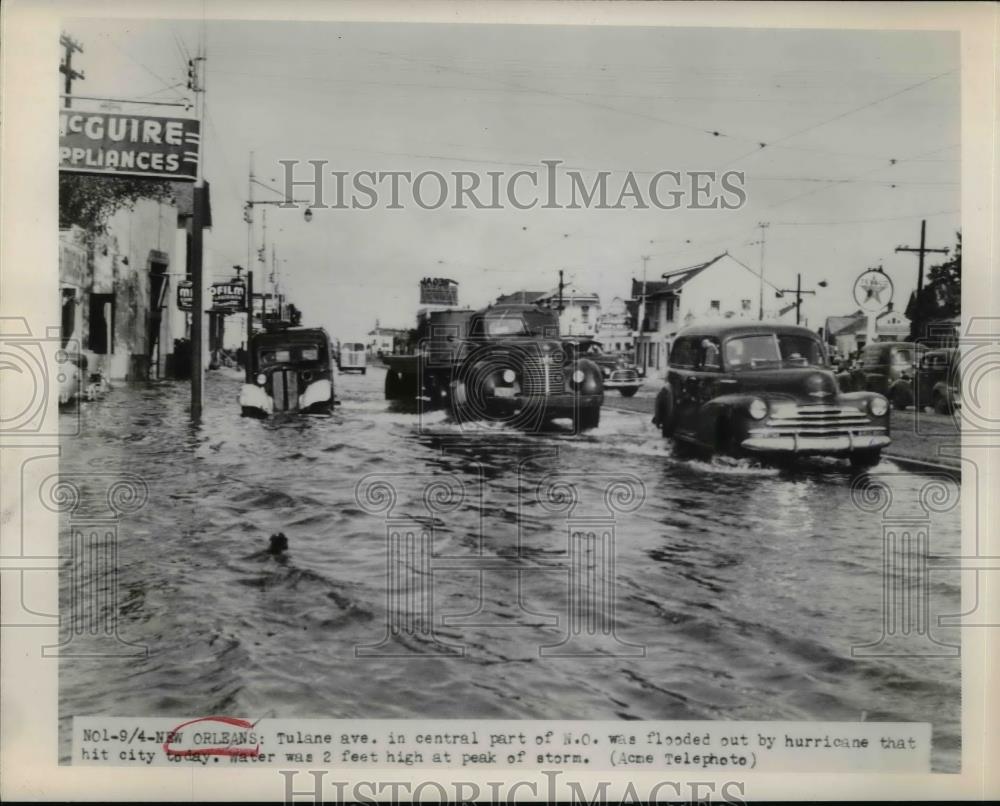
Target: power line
[(842, 115)]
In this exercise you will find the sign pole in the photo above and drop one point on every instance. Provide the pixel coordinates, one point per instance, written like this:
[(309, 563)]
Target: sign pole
[(197, 273)]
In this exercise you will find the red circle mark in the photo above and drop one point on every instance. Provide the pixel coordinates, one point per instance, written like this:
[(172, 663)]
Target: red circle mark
[(236, 752)]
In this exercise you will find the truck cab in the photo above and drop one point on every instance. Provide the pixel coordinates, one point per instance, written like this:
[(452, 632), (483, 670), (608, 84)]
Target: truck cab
[(504, 362)]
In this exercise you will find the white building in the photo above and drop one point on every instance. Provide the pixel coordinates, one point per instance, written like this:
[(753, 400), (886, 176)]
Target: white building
[(613, 328)]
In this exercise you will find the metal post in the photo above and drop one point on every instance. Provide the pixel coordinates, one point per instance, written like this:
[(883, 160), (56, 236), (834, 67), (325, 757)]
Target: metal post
[(197, 304), (798, 299)]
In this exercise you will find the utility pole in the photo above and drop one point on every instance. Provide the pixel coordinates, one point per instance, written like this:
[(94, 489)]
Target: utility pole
[(641, 318), (69, 46), (798, 291), (921, 251), (197, 273), (561, 285), (763, 240)]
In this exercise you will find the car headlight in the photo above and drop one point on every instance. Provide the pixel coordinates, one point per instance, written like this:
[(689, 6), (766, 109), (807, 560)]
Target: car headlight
[(509, 376), (758, 409), (878, 406), (261, 379), (578, 376), (606, 371)]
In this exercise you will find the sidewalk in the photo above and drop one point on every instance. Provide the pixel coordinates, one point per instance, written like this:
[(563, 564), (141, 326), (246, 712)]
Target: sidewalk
[(915, 438)]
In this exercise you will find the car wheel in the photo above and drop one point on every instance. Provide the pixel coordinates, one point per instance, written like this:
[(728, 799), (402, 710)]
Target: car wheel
[(393, 386), (628, 391), (940, 404), (588, 418), (868, 458), (364, 370), (665, 412), (899, 400), (459, 398)]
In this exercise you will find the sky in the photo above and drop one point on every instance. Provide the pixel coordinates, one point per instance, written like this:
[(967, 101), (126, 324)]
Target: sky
[(862, 132)]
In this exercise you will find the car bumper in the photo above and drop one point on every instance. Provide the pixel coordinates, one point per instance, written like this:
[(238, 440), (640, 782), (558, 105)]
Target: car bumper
[(561, 405), (839, 444), (635, 383)]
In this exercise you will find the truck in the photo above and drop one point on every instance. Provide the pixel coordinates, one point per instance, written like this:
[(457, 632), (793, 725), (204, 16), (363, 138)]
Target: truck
[(504, 362)]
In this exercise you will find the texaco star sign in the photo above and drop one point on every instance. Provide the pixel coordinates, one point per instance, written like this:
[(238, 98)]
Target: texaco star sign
[(873, 290)]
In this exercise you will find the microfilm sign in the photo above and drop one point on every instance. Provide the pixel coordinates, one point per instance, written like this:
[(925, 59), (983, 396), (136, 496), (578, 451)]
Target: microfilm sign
[(129, 145), (229, 297), (185, 295)]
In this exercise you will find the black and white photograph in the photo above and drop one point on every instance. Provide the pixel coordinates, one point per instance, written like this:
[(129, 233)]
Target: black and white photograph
[(465, 396)]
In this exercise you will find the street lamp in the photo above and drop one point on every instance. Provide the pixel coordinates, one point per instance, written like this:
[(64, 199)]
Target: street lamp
[(798, 291)]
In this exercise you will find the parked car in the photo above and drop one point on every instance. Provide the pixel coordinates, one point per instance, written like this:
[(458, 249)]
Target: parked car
[(766, 390), (352, 357), (938, 381), (289, 370), (618, 371), (887, 367)]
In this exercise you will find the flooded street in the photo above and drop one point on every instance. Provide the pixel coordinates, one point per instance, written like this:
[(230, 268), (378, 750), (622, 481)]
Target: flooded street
[(738, 591)]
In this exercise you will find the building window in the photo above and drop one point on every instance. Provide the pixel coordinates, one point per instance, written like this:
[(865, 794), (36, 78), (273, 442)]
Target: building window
[(102, 323), (745, 304), (715, 305), (585, 314)]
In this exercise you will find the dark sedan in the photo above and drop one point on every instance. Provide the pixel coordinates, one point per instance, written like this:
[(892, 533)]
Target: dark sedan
[(765, 389)]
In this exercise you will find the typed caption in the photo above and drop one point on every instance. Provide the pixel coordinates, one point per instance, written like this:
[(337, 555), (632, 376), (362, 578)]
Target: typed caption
[(219, 741)]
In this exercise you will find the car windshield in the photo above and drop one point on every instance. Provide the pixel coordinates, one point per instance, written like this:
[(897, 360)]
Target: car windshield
[(903, 356), (503, 326), (801, 351), (753, 352), (749, 352)]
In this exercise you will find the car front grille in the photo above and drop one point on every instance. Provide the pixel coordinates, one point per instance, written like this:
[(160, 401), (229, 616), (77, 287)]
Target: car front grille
[(534, 374), (624, 375), (820, 420), (285, 390)]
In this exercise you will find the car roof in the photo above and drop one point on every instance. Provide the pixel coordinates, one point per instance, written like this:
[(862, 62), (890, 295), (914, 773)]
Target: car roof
[(724, 329), (512, 307), (292, 335)]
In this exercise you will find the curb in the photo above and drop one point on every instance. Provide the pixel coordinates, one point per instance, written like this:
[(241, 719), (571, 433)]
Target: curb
[(922, 464)]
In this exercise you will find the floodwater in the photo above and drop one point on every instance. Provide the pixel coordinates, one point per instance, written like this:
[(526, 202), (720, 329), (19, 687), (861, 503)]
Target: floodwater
[(737, 591)]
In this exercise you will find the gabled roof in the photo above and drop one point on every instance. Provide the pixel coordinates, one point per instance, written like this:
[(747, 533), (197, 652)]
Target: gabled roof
[(672, 281)]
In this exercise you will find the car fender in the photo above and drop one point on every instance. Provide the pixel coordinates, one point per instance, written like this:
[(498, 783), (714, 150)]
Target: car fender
[(593, 384), (730, 410)]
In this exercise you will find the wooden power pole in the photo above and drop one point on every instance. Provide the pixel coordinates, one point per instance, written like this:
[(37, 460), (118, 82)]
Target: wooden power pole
[(69, 46), (921, 251)]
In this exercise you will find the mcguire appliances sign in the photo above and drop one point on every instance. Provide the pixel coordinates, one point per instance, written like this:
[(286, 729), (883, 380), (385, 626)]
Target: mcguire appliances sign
[(128, 145)]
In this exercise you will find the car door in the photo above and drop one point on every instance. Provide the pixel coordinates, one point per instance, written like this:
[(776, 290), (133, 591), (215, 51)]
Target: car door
[(705, 385), (681, 378)]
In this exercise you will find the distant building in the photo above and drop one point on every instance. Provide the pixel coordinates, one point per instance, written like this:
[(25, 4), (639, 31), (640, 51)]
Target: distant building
[(580, 309), (614, 329), (386, 340), (846, 334), (520, 297), (720, 288)]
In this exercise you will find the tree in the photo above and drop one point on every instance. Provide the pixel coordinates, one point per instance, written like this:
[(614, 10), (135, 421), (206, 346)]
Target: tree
[(941, 296), (89, 201)]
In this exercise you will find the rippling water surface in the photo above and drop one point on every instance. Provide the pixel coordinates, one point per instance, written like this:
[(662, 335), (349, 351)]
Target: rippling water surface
[(738, 590)]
